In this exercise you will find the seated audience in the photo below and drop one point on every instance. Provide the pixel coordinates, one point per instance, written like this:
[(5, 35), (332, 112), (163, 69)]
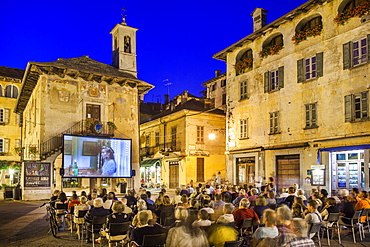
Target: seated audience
[(313, 216), (97, 210), (269, 230), (261, 206), (244, 212), (203, 219), (299, 226), (227, 216)]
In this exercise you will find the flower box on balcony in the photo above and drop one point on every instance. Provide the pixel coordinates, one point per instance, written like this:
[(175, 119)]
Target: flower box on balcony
[(270, 50), (243, 65), (358, 11), (304, 34)]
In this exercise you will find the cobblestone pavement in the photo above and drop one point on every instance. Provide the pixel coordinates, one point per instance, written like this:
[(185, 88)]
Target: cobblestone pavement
[(23, 223)]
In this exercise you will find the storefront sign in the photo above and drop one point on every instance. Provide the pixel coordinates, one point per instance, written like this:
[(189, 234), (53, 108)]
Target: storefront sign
[(199, 153), (322, 167)]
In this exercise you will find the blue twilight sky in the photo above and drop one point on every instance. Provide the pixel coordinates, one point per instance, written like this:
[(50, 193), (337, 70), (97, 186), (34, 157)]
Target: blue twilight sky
[(175, 40)]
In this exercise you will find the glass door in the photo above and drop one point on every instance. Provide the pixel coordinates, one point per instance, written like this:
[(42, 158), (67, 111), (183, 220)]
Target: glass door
[(342, 175)]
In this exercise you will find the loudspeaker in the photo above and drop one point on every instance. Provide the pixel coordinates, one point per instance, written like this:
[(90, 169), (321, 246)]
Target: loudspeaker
[(133, 173), (61, 171)]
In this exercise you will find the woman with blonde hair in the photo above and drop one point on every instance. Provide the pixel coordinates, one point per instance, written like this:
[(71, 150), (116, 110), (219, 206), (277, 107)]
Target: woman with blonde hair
[(269, 230)]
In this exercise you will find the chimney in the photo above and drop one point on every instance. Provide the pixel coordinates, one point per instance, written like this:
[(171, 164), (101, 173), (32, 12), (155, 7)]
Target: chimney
[(259, 18), (217, 73), (166, 99), (184, 96)]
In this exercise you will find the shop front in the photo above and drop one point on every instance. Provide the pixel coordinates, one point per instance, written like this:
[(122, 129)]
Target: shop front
[(150, 173), (349, 167)]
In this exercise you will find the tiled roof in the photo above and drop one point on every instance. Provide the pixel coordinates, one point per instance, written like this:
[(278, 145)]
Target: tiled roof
[(11, 72), (193, 105), (88, 65)]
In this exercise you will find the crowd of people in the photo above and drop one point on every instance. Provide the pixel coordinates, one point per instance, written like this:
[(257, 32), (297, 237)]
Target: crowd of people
[(210, 216)]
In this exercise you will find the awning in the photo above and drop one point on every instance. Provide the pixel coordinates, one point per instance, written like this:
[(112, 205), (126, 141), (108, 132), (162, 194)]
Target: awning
[(150, 162), (337, 149)]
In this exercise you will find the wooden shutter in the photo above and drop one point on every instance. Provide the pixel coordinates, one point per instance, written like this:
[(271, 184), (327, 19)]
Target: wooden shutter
[(300, 71), (18, 119), (347, 55), (6, 115), (313, 115), (6, 145), (348, 108), (319, 64), (267, 81), (368, 48), (364, 104), (281, 76)]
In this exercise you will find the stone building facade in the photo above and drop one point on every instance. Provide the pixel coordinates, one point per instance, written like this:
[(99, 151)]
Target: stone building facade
[(297, 98), (10, 137), (175, 147), (62, 96)]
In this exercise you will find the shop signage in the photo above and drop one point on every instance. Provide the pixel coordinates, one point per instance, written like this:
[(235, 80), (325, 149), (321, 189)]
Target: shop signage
[(320, 167), (199, 153)]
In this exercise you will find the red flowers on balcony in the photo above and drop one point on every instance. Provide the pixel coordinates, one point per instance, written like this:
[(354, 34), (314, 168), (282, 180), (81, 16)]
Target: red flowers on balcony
[(304, 34), (358, 11)]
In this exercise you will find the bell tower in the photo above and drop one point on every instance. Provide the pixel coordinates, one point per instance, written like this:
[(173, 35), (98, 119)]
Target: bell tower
[(124, 47)]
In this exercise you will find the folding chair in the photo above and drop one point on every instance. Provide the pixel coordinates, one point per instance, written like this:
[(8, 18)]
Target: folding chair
[(355, 222), (61, 209), (315, 228), (118, 232), (96, 225), (233, 243), (332, 223), (157, 240), (247, 223), (366, 213), (81, 215)]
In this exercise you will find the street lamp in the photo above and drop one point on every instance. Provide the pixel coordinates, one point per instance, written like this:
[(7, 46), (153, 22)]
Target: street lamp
[(212, 135)]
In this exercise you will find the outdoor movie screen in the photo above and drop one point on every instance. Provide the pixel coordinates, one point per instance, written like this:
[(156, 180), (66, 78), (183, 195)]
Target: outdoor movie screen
[(85, 156)]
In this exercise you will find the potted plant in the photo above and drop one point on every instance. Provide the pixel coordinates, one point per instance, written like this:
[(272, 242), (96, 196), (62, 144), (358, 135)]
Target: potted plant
[(271, 50), (302, 35), (18, 150), (32, 150), (89, 122), (111, 125), (358, 11), (243, 65)]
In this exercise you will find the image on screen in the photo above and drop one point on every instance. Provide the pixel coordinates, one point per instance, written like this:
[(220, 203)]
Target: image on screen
[(85, 156)]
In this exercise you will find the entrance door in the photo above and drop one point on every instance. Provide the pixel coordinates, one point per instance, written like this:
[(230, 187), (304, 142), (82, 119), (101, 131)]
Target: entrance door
[(93, 111), (287, 171), (200, 169), (174, 175)]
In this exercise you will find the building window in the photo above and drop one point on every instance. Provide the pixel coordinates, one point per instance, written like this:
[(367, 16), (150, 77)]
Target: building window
[(243, 128), (4, 145), (174, 136), (310, 68), (274, 122), (244, 62), (224, 99), (356, 52), (213, 87), (352, 4), (127, 44), (200, 134), (156, 139), (314, 22), (311, 116), (243, 90), (274, 80), (4, 115), (1, 91), (17, 143), (147, 140), (356, 107), (11, 91), (223, 83)]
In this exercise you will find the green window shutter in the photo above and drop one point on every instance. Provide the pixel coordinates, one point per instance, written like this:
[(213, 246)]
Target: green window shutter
[(314, 115), (364, 104), (281, 76), (347, 55), (267, 81), (368, 48), (320, 64), (300, 71), (348, 108)]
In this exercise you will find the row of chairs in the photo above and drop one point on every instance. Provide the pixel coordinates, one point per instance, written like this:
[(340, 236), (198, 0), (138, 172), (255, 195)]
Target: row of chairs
[(332, 224)]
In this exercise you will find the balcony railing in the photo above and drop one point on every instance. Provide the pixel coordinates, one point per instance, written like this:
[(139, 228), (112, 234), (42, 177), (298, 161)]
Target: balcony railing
[(86, 128), (163, 147)]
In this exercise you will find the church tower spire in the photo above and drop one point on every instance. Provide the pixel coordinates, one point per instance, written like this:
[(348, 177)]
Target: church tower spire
[(124, 47)]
